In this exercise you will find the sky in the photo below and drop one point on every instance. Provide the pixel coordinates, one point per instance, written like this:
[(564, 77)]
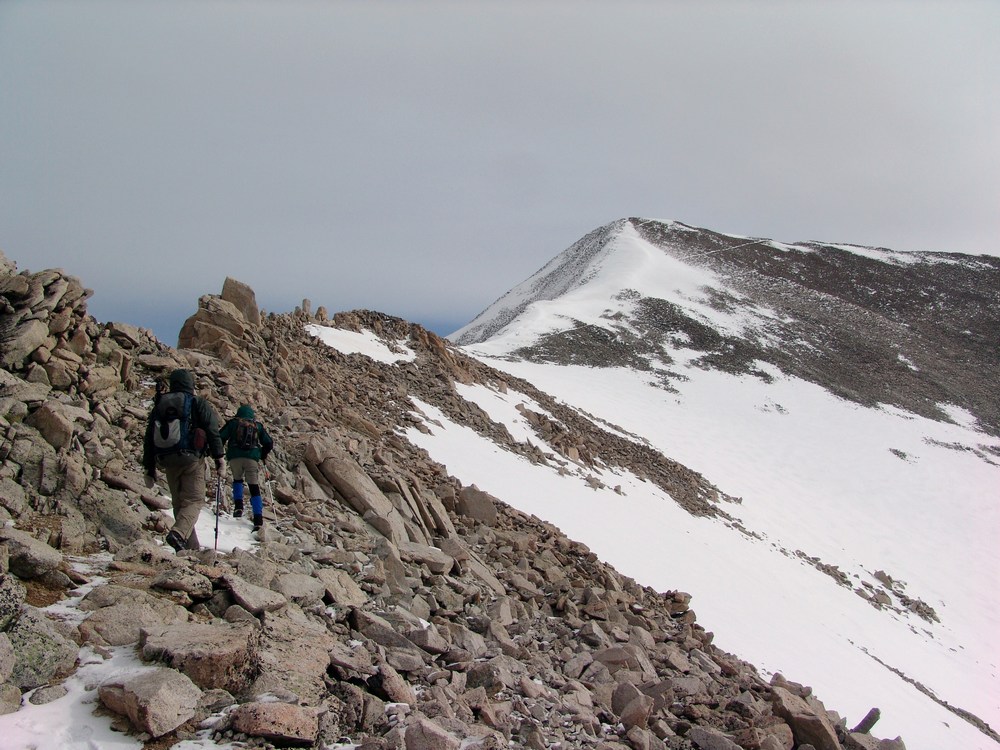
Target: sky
[(422, 158)]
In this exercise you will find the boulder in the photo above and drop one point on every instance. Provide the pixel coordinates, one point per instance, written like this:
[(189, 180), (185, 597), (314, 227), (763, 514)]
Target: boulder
[(340, 587), (21, 342), (6, 658), (707, 738), (216, 321), (475, 503), (424, 734), (435, 559), (12, 595), (808, 724), (294, 656), (53, 423), (127, 335), (40, 653), (243, 298), (156, 701), (299, 588), (341, 471), (222, 656), (253, 598), (29, 557), (100, 381), (280, 723), (118, 615), (10, 698), (185, 580), (637, 712)]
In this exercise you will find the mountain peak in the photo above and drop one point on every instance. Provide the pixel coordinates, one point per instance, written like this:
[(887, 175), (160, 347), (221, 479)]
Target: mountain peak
[(872, 325)]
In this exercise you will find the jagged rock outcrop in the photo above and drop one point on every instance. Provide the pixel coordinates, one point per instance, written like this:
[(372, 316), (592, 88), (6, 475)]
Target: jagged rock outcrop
[(388, 603)]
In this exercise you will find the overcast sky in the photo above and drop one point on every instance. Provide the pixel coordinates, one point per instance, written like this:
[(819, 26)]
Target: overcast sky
[(421, 158)]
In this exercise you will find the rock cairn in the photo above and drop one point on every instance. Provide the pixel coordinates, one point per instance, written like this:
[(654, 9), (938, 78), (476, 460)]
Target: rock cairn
[(389, 607)]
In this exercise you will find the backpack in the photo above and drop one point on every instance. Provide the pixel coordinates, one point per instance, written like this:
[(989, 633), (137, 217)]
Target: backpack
[(173, 431), (245, 437)]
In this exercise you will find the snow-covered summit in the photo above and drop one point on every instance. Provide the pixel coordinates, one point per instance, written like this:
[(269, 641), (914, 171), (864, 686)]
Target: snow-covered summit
[(868, 324)]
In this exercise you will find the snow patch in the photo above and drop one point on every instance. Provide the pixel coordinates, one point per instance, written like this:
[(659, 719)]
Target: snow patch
[(365, 342)]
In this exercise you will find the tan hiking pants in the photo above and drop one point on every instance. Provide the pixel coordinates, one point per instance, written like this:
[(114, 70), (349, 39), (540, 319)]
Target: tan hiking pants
[(186, 481)]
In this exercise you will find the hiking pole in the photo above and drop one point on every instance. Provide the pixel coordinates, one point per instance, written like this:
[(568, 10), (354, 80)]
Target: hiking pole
[(267, 486), (218, 500), (270, 492)]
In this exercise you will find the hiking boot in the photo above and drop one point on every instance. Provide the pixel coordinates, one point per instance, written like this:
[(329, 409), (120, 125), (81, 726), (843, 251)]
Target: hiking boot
[(258, 521), (176, 541), (238, 509)]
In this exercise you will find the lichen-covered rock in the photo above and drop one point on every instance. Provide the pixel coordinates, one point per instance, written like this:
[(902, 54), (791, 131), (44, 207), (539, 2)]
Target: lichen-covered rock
[(6, 658), (40, 652), (12, 595)]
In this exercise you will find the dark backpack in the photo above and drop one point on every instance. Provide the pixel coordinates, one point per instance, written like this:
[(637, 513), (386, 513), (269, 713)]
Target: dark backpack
[(173, 428), (245, 436)]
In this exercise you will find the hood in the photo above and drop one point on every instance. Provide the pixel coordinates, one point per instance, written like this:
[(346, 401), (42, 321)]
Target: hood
[(244, 412), (182, 380)]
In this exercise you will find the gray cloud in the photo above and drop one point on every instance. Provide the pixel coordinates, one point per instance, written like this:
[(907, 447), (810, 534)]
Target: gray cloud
[(422, 158)]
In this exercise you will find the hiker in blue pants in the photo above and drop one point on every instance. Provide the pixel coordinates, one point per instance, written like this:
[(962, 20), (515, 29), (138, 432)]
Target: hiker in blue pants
[(247, 443)]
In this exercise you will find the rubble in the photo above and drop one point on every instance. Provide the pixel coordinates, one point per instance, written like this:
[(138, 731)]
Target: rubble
[(388, 603)]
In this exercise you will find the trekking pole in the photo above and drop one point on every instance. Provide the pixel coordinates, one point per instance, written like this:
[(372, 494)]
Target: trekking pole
[(218, 500), (267, 486)]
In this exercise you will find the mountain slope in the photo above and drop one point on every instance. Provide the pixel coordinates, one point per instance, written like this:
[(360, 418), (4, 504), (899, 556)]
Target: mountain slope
[(915, 330), (842, 393), (827, 554), (386, 604)]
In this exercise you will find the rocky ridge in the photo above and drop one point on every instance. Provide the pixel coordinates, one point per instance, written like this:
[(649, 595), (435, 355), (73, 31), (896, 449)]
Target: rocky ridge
[(388, 605)]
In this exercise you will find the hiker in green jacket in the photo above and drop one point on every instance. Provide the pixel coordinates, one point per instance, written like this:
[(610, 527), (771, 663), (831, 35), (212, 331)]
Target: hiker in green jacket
[(247, 442), (181, 430)]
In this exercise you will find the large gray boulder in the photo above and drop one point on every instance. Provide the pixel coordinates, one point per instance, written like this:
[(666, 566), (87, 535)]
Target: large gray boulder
[(118, 615), (225, 656), (40, 652), (281, 723), (294, 657), (340, 588), (243, 298), (424, 734), (809, 724), (12, 595), (475, 503), (6, 658), (29, 557), (214, 326), (339, 469), (51, 420), (255, 599), (18, 345), (155, 701)]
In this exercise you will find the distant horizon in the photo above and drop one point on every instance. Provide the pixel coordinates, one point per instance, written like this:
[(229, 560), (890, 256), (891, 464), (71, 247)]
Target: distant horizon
[(423, 158), (162, 325), (165, 320)]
